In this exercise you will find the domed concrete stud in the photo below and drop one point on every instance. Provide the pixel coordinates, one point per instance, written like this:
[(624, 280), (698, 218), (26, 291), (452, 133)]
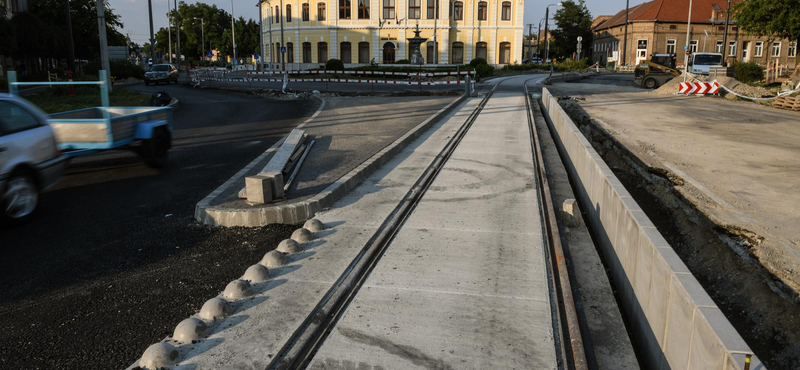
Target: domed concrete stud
[(314, 225), (237, 289), (215, 308), (273, 259), (302, 235), (189, 330), (289, 246), (256, 274), (158, 355)]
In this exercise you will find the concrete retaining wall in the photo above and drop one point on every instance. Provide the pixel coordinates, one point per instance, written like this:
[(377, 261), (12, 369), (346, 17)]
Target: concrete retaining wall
[(675, 322)]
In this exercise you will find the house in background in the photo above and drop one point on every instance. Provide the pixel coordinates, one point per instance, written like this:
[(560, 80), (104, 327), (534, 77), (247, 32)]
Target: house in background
[(659, 26)]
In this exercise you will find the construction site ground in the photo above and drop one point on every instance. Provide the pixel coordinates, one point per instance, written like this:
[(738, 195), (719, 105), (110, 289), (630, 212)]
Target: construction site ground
[(734, 162)]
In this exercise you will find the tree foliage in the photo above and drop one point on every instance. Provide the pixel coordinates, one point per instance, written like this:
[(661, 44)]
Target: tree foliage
[(572, 20), (774, 18)]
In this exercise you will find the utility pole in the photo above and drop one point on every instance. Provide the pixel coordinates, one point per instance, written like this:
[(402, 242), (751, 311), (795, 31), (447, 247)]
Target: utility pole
[(70, 44), (101, 25), (435, 21), (686, 48), (178, 37), (625, 43), (233, 34), (271, 46), (152, 39), (546, 41), (261, 34), (202, 37), (169, 31), (538, 40), (530, 38), (725, 35), (283, 43)]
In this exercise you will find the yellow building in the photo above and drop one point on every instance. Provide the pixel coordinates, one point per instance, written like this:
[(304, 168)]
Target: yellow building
[(358, 31)]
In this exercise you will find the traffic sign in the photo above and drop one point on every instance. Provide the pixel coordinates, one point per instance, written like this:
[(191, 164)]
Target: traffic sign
[(580, 38), (283, 49), (699, 88), (255, 56), (688, 52), (210, 54)]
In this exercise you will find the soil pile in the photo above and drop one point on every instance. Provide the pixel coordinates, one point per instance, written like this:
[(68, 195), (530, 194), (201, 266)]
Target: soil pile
[(672, 87)]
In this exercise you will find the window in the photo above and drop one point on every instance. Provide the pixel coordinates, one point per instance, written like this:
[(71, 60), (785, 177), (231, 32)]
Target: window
[(344, 9), (732, 48), (480, 50), (278, 50), (289, 52), (482, 11), (363, 52), (388, 9), (306, 52), (321, 11), (759, 49), (277, 14), (506, 10), (430, 55), (288, 13), (14, 118), (693, 46), (458, 11), (671, 46), (719, 47), (345, 54), (505, 52), (414, 11), (673, 27), (792, 50), (458, 53), (432, 8), (305, 15), (322, 52), (363, 9), (776, 49)]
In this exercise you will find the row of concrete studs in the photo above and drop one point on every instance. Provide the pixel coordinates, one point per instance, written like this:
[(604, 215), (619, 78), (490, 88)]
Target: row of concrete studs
[(192, 330)]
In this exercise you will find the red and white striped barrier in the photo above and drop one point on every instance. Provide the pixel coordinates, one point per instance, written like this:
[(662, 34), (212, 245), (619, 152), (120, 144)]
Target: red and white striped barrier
[(333, 80), (370, 73), (701, 88)]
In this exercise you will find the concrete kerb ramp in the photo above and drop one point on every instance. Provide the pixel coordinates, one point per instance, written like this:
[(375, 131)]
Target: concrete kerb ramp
[(298, 212), (675, 323)]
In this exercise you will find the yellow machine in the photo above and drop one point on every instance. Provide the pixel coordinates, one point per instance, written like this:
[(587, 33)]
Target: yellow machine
[(656, 72)]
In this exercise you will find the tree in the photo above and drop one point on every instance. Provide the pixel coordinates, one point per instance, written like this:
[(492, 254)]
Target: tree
[(773, 18), (572, 20), (8, 34)]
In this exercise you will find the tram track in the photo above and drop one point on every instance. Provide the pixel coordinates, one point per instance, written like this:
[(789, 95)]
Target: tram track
[(299, 351)]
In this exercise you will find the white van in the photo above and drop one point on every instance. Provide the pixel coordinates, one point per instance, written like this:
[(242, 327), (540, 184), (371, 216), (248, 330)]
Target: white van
[(701, 63)]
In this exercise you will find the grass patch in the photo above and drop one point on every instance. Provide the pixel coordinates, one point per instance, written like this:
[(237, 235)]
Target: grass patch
[(57, 99)]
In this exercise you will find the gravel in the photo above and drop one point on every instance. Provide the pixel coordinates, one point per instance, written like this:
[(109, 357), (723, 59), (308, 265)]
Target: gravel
[(672, 87)]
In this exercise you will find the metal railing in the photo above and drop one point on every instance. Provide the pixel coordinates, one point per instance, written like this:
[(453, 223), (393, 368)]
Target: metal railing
[(103, 83)]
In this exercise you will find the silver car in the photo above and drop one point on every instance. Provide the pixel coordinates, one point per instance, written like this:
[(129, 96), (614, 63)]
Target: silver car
[(30, 161), (161, 73)]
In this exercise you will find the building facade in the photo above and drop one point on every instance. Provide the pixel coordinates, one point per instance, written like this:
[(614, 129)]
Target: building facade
[(360, 31), (660, 26)]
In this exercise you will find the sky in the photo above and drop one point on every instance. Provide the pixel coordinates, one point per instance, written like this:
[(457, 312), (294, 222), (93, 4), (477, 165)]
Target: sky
[(135, 16)]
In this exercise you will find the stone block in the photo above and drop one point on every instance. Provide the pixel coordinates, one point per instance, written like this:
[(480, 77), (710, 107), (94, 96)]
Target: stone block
[(259, 189), (570, 213), (706, 350), (680, 317)]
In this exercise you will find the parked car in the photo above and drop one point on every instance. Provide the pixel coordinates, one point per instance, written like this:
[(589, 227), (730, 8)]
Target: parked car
[(534, 60), (30, 161), (161, 73), (701, 63)]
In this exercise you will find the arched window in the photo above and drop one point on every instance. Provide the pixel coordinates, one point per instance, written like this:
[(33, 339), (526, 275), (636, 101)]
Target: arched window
[(306, 52), (306, 16), (506, 10), (505, 52), (277, 14), (458, 11), (346, 55), (458, 53), (344, 9), (288, 13), (322, 52), (480, 50), (414, 9), (363, 9), (289, 52), (363, 52), (482, 13), (433, 9), (321, 11), (388, 9)]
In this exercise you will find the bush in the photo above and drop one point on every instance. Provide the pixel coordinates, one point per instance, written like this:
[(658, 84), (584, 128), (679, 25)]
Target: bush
[(120, 69), (477, 62), (749, 72), (403, 61), (571, 65), (334, 65), (484, 70)]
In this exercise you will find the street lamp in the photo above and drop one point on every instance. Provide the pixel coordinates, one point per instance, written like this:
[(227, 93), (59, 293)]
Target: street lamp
[(202, 37), (546, 36), (233, 34)]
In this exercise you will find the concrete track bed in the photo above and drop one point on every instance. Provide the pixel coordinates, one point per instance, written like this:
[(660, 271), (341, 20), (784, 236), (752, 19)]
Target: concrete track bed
[(756, 302)]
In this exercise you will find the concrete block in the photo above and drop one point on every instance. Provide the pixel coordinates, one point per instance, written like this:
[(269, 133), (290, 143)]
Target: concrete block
[(695, 291), (736, 361), (727, 334), (570, 213), (259, 189), (672, 260), (658, 298), (706, 351), (277, 184), (680, 319)]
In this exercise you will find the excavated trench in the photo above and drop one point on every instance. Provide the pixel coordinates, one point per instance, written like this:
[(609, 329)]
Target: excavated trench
[(759, 305)]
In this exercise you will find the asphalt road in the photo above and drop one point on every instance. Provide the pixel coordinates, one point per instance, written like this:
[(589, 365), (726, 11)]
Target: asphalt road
[(114, 259), (333, 87)]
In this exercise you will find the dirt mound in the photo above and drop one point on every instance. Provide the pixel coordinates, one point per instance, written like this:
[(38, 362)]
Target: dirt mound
[(672, 87)]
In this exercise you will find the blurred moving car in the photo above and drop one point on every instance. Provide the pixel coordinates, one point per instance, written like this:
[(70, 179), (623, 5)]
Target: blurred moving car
[(161, 73), (534, 60), (30, 161)]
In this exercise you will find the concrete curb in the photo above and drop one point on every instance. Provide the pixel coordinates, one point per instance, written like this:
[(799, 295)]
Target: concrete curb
[(174, 103), (299, 212), (675, 323)]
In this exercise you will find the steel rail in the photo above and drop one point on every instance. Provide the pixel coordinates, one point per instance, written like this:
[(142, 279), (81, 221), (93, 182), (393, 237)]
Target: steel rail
[(298, 352), (562, 278)]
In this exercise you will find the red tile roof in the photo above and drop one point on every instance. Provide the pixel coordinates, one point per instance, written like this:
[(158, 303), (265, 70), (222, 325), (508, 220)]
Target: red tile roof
[(668, 11)]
